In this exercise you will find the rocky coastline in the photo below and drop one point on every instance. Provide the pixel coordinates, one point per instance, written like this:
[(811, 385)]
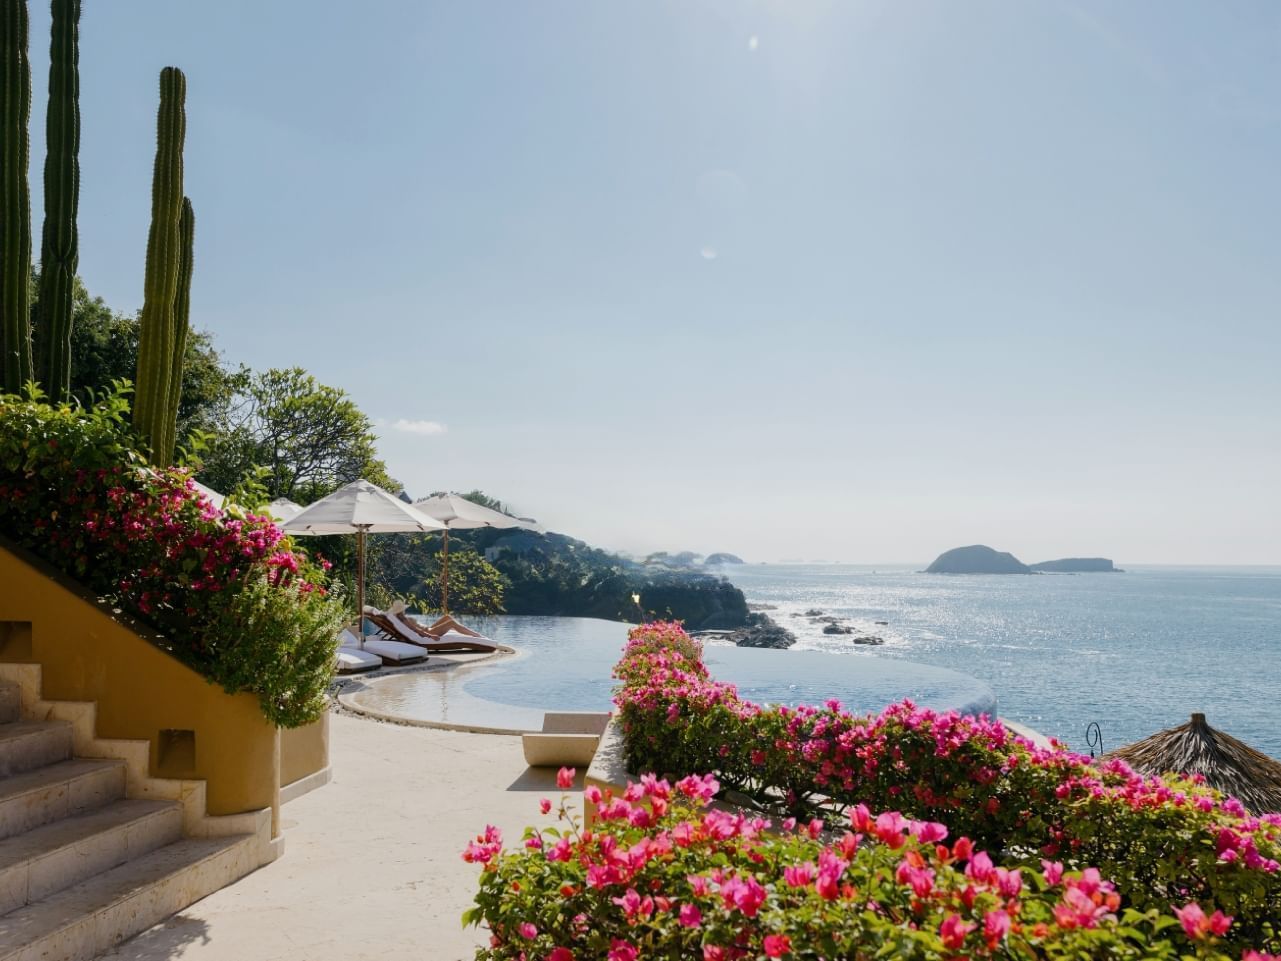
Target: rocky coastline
[(761, 630)]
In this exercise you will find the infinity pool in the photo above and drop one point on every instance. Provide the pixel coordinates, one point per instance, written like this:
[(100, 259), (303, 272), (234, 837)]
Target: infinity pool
[(564, 664)]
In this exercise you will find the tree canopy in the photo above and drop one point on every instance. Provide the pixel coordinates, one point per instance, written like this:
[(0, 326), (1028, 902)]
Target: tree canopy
[(299, 438)]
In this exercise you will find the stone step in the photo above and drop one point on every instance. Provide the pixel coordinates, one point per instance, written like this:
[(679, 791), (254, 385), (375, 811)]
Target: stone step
[(85, 920), (58, 855), (10, 702), (58, 791), (27, 745)]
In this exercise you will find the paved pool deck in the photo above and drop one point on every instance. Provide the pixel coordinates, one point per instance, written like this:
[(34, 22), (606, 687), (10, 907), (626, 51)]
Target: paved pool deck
[(372, 867)]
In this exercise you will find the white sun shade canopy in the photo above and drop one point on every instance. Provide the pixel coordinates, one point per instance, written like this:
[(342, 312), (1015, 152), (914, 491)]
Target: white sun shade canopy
[(360, 506), (457, 513), (283, 509)]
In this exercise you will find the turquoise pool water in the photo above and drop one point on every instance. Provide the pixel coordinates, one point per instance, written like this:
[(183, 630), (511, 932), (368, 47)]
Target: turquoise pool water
[(564, 663)]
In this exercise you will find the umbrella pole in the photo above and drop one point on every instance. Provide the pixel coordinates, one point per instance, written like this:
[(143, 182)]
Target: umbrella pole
[(360, 585), (444, 580)]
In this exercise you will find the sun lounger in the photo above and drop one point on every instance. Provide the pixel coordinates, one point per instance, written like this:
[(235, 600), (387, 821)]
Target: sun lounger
[(403, 628), (391, 652), (568, 739), (439, 627)]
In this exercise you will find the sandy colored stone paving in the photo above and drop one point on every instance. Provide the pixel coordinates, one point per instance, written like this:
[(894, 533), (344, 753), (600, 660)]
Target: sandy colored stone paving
[(371, 868)]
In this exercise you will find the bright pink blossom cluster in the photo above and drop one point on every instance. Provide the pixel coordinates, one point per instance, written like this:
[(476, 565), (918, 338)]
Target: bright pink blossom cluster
[(663, 874), (153, 544)]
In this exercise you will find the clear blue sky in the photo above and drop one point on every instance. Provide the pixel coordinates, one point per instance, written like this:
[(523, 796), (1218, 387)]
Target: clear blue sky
[(836, 280)]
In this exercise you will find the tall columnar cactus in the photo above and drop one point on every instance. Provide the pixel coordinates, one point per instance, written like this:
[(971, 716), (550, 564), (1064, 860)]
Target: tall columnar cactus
[(60, 245), (181, 316), (158, 336), (15, 197)]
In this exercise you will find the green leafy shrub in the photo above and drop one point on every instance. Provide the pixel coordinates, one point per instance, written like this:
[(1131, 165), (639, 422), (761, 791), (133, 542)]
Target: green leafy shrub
[(229, 594)]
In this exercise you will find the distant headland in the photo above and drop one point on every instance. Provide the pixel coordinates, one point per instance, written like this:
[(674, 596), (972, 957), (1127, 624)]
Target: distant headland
[(981, 559)]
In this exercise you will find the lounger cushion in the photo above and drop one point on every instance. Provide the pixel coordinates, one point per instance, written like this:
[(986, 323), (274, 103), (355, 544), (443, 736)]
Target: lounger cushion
[(349, 660), (393, 650), (348, 640)]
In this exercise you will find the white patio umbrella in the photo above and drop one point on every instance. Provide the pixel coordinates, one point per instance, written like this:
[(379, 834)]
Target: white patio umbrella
[(283, 509), (219, 500), (362, 508), (457, 513)]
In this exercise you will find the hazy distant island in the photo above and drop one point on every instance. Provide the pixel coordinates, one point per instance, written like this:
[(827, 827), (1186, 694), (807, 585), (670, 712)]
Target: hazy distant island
[(981, 559), (1078, 565), (721, 557)]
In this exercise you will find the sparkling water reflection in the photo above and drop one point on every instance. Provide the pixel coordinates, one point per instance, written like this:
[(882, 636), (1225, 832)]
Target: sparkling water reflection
[(1136, 652)]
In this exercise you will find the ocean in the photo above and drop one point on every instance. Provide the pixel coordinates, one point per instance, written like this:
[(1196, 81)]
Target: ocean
[(1134, 652)]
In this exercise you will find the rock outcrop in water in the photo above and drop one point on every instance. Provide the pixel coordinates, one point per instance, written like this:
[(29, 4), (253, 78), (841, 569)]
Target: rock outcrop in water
[(761, 631), (977, 559), (1078, 565)]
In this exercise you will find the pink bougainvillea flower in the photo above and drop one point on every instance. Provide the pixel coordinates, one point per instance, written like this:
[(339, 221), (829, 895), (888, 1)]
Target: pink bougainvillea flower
[(689, 916), (527, 931), (562, 850), (777, 945), (953, 931), (565, 778), (1009, 883), (561, 954), (544, 806), (1197, 924), (929, 832), (996, 925), (799, 875), (622, 951)]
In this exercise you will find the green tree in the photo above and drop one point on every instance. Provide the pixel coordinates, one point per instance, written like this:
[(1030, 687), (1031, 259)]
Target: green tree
[(304, 438), (475, 585)]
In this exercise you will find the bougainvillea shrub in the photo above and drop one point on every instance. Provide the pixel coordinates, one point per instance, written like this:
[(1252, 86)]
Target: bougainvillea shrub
[(1161, 840), (661, 874), (229, 594)]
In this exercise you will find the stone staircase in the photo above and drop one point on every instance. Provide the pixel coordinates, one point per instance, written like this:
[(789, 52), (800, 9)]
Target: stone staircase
[(92, 851)]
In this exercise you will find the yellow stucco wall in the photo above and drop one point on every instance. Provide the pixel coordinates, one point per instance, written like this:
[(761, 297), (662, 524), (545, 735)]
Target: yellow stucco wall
[(196, 730), (304, 751)]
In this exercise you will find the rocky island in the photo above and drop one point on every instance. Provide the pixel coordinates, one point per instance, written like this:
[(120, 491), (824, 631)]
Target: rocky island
[(981, 559), (1078, 565), (977, 559)]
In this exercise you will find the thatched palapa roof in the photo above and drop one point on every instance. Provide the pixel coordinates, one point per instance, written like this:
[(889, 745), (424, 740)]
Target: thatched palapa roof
[(1227, 764)]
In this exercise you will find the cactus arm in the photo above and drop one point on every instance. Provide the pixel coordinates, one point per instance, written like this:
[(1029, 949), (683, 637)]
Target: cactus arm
[(15, 197), (157, 340), (60, 243)]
